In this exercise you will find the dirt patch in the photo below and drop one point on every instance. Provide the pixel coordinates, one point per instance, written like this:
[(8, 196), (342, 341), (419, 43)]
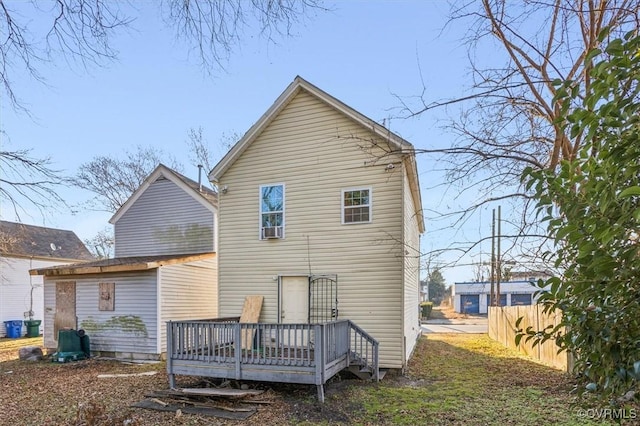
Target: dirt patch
[(447, 312)]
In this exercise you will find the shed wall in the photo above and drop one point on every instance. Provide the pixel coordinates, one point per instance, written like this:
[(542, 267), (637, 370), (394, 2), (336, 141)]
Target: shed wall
[(187, 291), (131, 328)]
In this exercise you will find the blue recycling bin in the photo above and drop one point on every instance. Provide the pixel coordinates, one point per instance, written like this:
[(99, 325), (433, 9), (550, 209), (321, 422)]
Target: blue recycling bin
[(13, 328)]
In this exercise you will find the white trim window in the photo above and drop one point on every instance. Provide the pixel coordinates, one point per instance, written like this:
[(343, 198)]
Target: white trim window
[(271, 211), (356, 205)]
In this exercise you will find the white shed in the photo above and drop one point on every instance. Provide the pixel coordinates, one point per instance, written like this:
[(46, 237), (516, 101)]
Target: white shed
[(165, 269)]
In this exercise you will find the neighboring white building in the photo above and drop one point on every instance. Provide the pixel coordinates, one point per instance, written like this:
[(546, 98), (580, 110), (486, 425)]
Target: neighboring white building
[(473, 298), (24, 247)]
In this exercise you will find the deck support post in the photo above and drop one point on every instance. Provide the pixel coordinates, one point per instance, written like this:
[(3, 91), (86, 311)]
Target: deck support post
[(321, 393), (172, 377), (237, 345)]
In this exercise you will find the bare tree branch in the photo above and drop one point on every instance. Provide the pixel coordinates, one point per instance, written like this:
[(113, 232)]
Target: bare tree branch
[(27, 181), (113, 180)]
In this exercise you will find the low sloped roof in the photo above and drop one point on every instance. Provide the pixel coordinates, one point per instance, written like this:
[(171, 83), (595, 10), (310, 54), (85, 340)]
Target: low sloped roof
[(121, 264), (19, 239)]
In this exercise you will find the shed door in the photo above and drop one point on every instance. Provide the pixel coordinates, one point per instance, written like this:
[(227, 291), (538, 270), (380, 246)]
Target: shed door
[(65, 316), (470, 303), (294, 293)]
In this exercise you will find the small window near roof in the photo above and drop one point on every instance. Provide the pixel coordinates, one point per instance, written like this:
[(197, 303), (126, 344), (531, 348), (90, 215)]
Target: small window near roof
[(356, 205)]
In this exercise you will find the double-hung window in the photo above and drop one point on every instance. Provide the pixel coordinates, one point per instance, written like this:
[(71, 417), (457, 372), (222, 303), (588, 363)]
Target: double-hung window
[(271, 211), (356, 205)]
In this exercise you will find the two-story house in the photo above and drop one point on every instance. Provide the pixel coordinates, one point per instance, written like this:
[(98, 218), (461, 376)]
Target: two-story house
[(320, 213)]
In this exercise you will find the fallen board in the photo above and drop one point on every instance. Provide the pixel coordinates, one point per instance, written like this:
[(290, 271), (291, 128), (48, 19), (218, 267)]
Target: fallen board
[(219, 391), (204, 411)]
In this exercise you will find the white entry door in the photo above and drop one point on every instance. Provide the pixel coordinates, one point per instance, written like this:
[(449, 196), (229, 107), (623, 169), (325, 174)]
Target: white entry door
[(294, 309), (294, 297)]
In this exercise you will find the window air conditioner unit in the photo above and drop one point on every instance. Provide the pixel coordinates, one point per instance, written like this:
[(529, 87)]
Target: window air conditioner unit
[(269, 232)]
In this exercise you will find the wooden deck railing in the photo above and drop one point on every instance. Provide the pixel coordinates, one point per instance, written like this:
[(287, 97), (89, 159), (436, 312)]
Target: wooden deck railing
[(291, 353), (364, 349)]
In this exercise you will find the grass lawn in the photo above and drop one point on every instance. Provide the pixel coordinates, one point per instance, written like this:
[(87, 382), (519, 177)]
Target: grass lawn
[(468, 379), (452, 379)]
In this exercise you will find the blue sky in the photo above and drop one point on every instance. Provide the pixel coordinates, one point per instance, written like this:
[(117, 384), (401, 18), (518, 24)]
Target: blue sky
[(363, 53)]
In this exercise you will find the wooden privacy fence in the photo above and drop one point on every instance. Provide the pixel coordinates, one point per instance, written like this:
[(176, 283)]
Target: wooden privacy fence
[(502, 328)]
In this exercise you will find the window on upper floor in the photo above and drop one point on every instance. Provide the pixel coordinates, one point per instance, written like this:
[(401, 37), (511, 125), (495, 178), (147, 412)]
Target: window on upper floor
[(356, 205), (271, 211)]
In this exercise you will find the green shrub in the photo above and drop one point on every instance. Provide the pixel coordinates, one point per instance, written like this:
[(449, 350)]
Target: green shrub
[(425, 309)]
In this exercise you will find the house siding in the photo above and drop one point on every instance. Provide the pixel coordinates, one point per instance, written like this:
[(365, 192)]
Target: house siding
[(314, 150), (411, 270), (129, 330), (164, 220), (15, 289), (187, 291)]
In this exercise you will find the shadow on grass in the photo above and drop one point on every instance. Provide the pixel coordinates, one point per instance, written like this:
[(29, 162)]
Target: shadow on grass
[(463, 379)]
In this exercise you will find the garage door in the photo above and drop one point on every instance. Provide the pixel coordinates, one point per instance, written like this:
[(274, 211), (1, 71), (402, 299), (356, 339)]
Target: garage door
[(503, 300), (520, 299), (470, 303)]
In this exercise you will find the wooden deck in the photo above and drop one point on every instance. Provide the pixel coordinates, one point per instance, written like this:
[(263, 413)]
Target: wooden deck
[(288, 353)]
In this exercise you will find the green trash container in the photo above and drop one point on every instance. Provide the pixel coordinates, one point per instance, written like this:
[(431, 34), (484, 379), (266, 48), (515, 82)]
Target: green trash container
[(33, 327), (69, 341)]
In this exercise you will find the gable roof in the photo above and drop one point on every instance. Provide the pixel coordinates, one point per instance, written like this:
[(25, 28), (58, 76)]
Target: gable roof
[(120, 264), (18, 239), (205, 196), (400, 145)]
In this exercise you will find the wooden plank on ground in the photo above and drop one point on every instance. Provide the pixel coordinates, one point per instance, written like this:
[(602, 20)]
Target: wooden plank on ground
[(205, 411), (220, 391), (250, 314)]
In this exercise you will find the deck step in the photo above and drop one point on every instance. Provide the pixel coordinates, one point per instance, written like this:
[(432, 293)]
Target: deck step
[(364, 373)]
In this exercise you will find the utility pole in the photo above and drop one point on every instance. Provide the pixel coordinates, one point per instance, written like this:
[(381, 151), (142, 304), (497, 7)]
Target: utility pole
[(498, 262), (492, 299)]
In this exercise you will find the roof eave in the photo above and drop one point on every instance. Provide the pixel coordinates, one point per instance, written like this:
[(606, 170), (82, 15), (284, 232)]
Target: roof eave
[(79, 269)]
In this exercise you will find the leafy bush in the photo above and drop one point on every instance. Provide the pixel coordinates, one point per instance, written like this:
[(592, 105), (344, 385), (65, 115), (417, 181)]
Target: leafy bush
[(425, 309), (591, 205)]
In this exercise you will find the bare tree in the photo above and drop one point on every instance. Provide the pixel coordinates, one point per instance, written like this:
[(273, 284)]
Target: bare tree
[(512, 117), (101, 244), (35, 34), (27, 181), (204, 153), (81, 31), (113, 180)]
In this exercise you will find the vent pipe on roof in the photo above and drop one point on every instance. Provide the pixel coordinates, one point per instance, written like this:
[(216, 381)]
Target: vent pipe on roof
[(200, 177)]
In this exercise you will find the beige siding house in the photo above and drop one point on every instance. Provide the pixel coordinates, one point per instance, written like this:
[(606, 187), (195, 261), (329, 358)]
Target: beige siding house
[(317, 190), (165, 269)]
